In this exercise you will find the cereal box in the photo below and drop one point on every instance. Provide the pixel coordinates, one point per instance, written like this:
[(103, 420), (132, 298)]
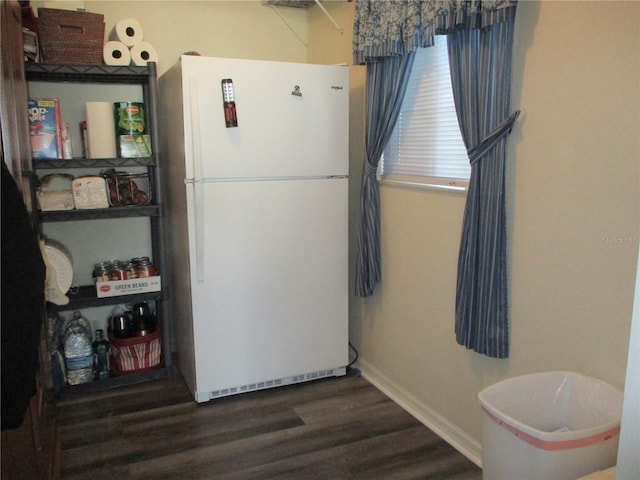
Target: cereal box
[(45, 128)]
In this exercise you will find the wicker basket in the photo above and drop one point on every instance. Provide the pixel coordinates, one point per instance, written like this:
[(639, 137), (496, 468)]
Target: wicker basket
[(128, 188), (69, 37)]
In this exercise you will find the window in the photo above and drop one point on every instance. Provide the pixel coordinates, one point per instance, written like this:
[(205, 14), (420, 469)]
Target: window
[(426, 147)]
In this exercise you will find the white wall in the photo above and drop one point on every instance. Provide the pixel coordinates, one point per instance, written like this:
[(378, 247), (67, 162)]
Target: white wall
[(573, 226)]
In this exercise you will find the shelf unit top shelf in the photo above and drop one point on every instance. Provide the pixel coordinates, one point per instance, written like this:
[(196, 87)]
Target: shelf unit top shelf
[(88, 73)]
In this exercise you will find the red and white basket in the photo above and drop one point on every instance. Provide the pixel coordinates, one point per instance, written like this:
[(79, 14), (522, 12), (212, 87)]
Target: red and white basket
[(135, 354)]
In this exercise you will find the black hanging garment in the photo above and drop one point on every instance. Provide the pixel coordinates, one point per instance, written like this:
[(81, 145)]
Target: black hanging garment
[(23, 303)]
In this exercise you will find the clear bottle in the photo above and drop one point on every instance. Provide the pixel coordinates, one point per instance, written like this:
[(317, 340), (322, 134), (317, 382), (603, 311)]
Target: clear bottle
[(78, 350), (100, 356)]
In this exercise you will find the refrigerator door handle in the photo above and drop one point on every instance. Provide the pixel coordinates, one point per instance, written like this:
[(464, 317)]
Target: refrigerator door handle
[(198, 205), (199, 226)]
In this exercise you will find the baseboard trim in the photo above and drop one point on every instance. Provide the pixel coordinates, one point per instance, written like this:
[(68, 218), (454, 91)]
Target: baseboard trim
[(442, 427)]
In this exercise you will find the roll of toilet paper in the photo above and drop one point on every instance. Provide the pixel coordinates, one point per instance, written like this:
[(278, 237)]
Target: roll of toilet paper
[(101, 130), (116, 53), (142, 53), (127, 31)]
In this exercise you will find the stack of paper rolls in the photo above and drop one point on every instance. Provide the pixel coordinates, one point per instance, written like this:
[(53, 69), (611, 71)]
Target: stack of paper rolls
[(126, 45)]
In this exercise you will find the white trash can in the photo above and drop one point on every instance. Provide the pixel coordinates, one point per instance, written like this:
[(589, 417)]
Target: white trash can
[(554, 425)]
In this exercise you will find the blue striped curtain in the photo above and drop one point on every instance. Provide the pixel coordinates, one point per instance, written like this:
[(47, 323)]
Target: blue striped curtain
[(480, 63), (385, 86), (387, 31)]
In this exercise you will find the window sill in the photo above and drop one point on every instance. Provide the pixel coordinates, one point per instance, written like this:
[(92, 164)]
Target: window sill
[(461, 187)]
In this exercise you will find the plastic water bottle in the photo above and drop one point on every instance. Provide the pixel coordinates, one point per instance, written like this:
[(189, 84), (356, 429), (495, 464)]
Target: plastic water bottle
[(78, 351)]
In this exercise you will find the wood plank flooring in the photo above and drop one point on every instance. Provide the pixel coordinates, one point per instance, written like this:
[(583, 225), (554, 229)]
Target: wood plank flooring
[(332, 429)]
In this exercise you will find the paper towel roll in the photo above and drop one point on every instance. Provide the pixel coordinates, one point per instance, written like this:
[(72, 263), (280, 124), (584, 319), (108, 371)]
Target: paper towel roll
[(142, 53), (101, 130), (116, 53), (127, 31)]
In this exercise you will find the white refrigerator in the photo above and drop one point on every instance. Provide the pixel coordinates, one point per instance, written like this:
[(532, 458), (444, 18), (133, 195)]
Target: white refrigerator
[(255, 162)]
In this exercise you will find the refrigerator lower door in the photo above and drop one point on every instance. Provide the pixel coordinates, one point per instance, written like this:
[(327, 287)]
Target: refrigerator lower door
[(269, 282)]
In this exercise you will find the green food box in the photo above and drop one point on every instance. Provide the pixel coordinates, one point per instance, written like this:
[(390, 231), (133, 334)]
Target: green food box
[(134, 146)]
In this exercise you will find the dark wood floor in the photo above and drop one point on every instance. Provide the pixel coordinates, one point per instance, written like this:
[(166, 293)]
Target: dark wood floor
[(341, 428)]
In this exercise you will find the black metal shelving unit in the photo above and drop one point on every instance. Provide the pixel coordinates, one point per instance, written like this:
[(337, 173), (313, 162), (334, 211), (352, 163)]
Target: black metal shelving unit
[(85, 295)]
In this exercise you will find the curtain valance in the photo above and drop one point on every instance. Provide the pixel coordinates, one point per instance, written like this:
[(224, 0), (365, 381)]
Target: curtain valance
[(396, 27)]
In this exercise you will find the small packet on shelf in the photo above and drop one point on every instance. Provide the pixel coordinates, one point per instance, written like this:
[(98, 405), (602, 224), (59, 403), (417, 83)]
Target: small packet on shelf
[(90, 192)]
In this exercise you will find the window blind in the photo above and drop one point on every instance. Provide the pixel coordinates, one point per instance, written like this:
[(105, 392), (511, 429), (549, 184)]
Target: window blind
[(426, 146)]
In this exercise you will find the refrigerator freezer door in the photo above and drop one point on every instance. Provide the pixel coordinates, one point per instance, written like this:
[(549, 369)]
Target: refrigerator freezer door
[(272, 300), (292, 119)]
